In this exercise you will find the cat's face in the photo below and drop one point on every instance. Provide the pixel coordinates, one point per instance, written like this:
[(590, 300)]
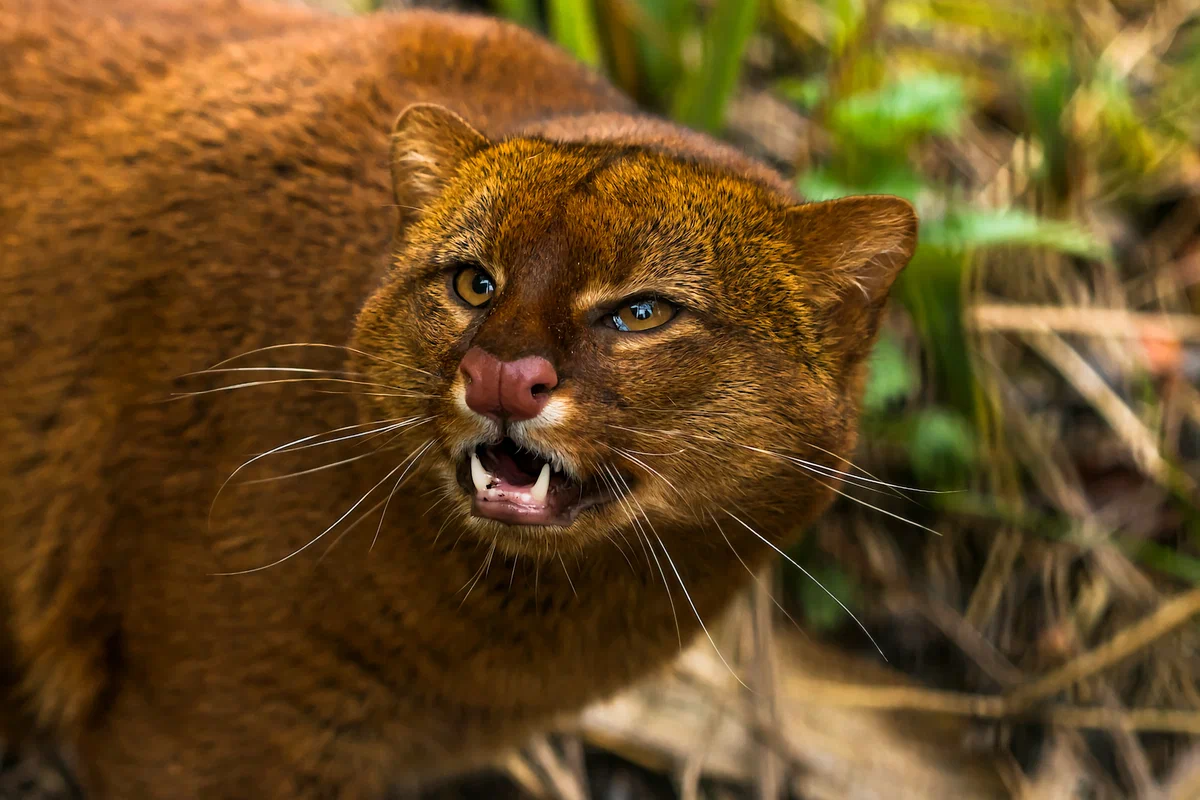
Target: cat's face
[(605, 338)]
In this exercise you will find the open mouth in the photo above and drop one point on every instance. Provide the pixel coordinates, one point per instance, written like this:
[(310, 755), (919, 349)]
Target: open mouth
[(517, 487)]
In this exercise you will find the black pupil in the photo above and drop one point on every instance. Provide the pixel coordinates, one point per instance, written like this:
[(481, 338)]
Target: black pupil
[(481, 284), (642, 310)]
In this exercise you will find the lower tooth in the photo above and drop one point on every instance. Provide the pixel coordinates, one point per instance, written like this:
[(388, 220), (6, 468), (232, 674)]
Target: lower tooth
[(479, 475), (542, 487)]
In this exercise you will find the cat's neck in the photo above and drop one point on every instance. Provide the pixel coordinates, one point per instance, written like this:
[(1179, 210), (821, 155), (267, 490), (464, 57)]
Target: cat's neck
[(593, 620)]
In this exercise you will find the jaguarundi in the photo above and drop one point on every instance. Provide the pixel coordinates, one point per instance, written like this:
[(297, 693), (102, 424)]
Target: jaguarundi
[(378, 389)]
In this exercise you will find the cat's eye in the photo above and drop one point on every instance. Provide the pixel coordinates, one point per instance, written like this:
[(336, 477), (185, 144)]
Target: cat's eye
[(642, 315), (474, 285)]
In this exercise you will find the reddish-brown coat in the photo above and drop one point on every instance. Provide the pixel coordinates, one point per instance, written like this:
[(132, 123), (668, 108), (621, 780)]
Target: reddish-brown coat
[(181, 184)]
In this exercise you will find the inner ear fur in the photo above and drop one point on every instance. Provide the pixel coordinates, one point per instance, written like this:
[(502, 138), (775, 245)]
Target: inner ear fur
[(857, 246), (428, 143)]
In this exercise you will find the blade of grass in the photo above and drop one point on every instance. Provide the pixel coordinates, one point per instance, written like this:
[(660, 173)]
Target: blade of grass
[(1163, 559), (660, 36), (573, 25), (704, 95)]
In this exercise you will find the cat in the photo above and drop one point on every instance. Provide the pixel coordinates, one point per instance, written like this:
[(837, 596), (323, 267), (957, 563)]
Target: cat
[(379, 390)]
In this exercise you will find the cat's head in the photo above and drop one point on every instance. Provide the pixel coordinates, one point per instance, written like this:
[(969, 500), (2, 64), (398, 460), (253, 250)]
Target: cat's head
[(604, 332)]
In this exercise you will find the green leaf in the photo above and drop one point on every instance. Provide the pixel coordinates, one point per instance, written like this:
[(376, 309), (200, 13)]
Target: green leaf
[(704, 96), (942, 447), (1163, 559), (890, 378), (820, 184), (804, 92), (931, 290), (845, 17), (895, 179), (660, 33), (573, 25), (998, 21), (1050, 82), (969, 229), (902, 111)]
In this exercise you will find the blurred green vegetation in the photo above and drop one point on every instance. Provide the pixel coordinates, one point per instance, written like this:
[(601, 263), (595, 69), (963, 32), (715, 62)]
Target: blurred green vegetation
[(1097, 118)]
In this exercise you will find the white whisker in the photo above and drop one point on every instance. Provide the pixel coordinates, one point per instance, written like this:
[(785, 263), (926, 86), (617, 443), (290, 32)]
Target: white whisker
[(696, 611), (278, 381), (826, 470), (644, 465), (479, 573), (415, 458), (809, 575), (666, 585), (269, 348), (407, 395), (570, 582), (390, 424), (873, 507), (755, 577), (324, 466), (621, 550), (819, 469), (629, 509), (680, 451), (319, 536), (349, 528), (297, 370)]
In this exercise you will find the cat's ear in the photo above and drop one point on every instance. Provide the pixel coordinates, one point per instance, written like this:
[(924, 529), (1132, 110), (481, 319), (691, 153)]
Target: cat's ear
[(857, 246), (428, 143)]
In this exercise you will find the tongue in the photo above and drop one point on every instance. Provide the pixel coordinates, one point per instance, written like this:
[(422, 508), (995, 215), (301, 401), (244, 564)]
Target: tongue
[(506, 469)]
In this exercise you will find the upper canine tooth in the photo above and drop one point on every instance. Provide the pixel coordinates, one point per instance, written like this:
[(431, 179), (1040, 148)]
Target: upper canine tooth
[(542, 487), (479, 475)]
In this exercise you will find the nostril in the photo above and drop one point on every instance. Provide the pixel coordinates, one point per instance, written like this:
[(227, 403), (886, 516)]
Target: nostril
[(526, 385)]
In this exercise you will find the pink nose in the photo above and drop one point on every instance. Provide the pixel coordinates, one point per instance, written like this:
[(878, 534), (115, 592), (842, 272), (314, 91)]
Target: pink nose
[(514, 390)]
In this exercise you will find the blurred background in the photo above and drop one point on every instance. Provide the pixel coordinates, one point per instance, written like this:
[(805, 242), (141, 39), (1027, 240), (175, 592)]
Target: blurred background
[(1034, 593), (1036, 383)]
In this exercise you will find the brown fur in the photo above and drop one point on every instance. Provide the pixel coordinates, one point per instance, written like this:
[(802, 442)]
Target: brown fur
[(186, 183)]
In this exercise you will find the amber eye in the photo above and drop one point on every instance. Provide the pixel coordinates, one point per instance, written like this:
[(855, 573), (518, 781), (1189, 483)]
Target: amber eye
[(474, 285), (642, 315)]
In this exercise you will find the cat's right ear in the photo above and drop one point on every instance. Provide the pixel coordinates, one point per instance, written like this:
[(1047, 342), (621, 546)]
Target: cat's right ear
[(428, 144)]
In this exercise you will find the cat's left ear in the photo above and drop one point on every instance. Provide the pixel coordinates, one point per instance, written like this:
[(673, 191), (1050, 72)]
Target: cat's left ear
[(429, 142), (857, 246)]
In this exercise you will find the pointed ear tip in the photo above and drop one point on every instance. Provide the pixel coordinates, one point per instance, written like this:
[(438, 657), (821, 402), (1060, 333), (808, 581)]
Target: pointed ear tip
[(891, 203), (881, 204), (429, 116), (416, 113), (901, 214)]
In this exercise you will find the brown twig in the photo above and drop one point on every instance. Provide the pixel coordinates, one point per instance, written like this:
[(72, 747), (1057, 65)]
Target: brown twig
[(770, 777), (561, 781), (1002, 556), (1103, 322), (1124, 644), (521, 772), (1120, 418), (1020, 701), (693, 766)]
